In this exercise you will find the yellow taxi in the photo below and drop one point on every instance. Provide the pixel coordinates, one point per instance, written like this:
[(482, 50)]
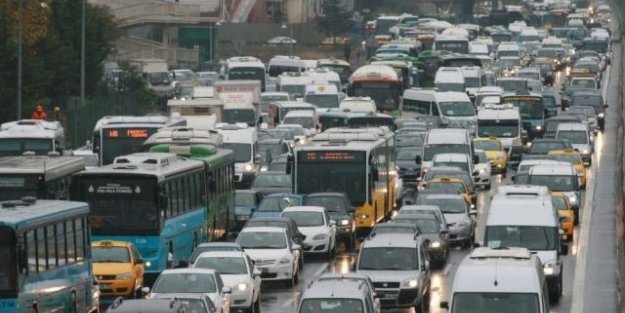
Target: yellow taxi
[(495, 152), (118, 267), (573, 157), (451, 185), (567, 216)]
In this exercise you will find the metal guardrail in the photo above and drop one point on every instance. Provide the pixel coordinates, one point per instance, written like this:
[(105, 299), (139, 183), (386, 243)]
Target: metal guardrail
[(138, 48), (151, 13)]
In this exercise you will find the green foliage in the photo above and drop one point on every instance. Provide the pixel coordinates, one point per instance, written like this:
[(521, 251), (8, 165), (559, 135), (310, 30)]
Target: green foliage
[(51, 60), (335, 20)]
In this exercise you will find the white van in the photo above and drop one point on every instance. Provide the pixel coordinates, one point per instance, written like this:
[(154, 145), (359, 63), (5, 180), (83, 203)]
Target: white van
[(444, 140), (325, 96), (293, 83), (454, 108), (306, 118), (530, 223), (282, 64), (508, 49), (495, 280), (502, 121), (357, 104), (472, 79), (449, 79), (243, 141)]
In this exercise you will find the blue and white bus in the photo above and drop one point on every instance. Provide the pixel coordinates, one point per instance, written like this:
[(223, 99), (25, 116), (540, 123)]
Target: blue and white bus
[(157, 201), (45, 251)]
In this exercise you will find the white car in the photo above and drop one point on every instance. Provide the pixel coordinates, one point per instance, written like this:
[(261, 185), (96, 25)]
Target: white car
[(281, 40), (482, 170), (238, 272), (315, 223), (273, 252), (192, 280)]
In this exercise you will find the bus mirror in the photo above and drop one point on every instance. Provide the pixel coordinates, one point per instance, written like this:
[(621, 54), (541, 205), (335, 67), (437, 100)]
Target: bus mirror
[(476, 159), (288, 168)]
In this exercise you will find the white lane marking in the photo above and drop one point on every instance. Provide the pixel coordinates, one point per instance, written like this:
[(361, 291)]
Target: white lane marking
[(320, 271), (447, 268)]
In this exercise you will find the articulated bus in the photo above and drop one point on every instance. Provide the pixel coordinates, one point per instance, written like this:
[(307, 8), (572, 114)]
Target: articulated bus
[(36, 136), (157, 201), (45, 249), (357, 164), (532, 112), (379, 82), (332, 119), (218, 170), (44, 177), (120, 135)]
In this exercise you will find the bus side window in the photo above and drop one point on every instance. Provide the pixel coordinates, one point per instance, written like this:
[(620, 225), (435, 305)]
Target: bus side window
[(435, 109), (31, 246)]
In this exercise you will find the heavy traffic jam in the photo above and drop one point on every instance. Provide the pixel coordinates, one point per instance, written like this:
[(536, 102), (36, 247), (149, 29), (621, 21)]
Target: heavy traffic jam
[(446, 172)]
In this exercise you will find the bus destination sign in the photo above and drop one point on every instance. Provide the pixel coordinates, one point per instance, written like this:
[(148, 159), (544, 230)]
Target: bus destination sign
[(331, 156), (127, 133)]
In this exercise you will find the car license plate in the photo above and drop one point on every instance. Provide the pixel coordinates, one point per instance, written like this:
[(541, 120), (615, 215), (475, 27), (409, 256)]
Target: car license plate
[(264, 270), (106, 287)]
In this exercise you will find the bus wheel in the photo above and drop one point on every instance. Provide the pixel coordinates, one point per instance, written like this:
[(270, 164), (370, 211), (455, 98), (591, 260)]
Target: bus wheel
[(74, 303)]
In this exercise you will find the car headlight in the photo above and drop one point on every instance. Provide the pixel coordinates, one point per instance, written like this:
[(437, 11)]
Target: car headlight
[(362, 216), (263, 169), (410, 283), (319, 237), (285, 260), (435, 244), (573, 198), (482, 170), (585, 151), (550, 268), (148, 264), (344, 222), (242, 286), (123, 276), (248, 167), (538, 127), (601, 115)]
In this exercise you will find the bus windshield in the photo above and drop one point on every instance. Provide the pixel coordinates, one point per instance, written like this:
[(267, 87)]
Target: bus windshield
[(498, 128), (457, 108), (529, 109), (495, 302), (17, 146), (341, 173), (530, 237), (242, 151), (248, 73), (18, 186), (123, 141), (8, 271), (458, 46), (385, 94), (431, 150), (120, 205)]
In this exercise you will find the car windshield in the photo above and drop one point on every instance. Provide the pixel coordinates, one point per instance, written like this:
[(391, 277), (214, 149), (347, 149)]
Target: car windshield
[(277, 204), (331, 204), (332, 305), (272, 180), (427, 226), (306, 122), (472, 82), (306, 219), (583, 83), (110, 255), (185, 283), (445, 187), (555, 182), (323, 101), (497, 128), (296, 131), (270, 150), (487, 145), (545, 147), (462, 165), (242, 151), (447, 206), (457, 108), (495, 302), (530, 237), (590, 100), (223, 265), (262, 240), (513, 85), (569, 157), (559, 203), (245, 199), (408, 154), (388, 258), (212, 247), (549, 102), (574, 136)]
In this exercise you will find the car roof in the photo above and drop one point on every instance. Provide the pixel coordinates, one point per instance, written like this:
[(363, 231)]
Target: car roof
[(572, 126), (304, 208), (218, 244), (266, 229), (397, 240), (219, 254), (189, 271), (339, 289), (553, 169)]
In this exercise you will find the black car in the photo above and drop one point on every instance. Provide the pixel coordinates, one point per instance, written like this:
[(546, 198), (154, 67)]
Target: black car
[(272, 182), (408, 170), (340, 209), (591, 99), (245, 202), (551, 124)]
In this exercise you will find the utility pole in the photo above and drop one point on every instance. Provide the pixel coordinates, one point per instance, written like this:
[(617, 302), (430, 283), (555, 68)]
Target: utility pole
[(20, 44)]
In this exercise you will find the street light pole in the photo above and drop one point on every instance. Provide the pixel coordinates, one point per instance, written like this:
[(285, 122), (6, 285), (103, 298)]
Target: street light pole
[(291, 41), (82, 56), (20, 43)]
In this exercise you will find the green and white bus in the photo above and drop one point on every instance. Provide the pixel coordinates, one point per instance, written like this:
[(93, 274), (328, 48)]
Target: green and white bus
[(45, 249)]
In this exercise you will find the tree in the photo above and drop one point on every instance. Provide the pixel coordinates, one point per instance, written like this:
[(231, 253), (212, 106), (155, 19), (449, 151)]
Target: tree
[(51, 51), (335, 19)]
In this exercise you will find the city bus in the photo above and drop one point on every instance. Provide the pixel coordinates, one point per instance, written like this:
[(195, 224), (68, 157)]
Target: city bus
[(156, 201), (357, 164), (532, 112), (43, 177), (501, 121), (45, 250), (246, 68), (218, 167), (119, 135), (379, 82), (36, 136), (183, 136)]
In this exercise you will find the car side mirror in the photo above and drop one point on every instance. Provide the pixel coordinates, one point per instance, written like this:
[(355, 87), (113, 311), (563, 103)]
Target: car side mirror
[(256, 273), (296, 247), (444, 232), (145, 290), (606, 105), (564, 250), (444, 305), (226, 290), (257, 158), (418, 159), (476, 159), (473, 213), (332, 223)]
